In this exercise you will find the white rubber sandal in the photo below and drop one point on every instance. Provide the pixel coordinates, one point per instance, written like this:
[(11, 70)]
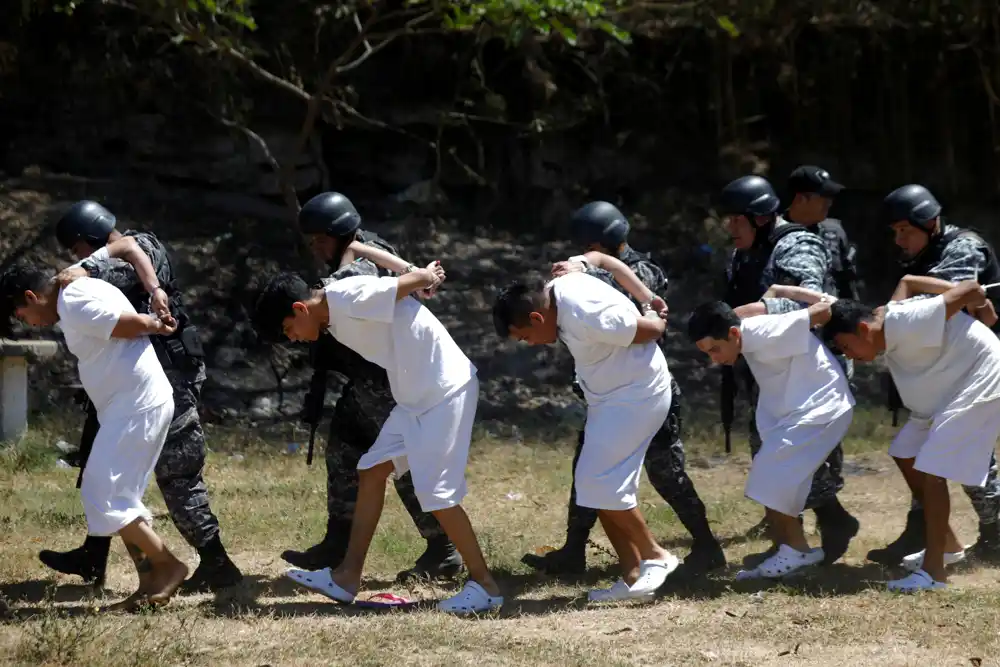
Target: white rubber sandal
[(783, 563), (916, 582), (472, 599), (915, 562), (652, 575), (619, 591), (320, 581)]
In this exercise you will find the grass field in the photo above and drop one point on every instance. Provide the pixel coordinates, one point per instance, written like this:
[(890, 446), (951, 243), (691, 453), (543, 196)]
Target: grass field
[(839, 616)]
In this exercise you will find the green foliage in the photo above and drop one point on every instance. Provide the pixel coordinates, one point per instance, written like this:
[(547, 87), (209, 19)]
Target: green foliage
[(518, 17)]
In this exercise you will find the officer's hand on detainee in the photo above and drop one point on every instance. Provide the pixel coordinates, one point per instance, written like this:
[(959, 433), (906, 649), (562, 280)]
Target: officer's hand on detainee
[(159, 303), (986, 314), (562, 268), (819, 313), (659, 306), (66, 276), (438, 270)]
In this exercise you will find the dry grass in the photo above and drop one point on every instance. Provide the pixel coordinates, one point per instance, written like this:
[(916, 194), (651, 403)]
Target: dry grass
[(837, 616)]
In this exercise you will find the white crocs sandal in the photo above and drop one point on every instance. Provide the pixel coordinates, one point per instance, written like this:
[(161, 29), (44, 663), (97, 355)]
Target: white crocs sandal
[(787, 561), (914, 562), (472, 599), (652, 575), (916, 582), (619, 591), (321, 581)]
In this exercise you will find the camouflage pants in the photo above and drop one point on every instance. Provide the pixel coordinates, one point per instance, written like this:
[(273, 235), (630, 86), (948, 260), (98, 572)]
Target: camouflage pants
[(353, 430), (665, 467), (828, 479), (181, 464)]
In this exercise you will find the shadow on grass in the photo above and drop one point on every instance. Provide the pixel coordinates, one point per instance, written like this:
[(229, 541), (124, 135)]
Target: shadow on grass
[(46, 590)]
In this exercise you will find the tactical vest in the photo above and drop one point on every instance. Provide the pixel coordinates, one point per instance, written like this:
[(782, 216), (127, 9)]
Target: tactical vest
[(183, 348), (744, 278), (843, 254), (925, 262)]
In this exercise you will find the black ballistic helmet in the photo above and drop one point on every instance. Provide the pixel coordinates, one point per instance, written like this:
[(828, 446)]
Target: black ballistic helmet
[(329, 213), (598, 222), (85, 221), (913, 203), (749, 196)]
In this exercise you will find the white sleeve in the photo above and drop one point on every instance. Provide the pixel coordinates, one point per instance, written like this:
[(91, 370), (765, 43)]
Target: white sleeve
[(776, 336), (99, 255), (86, 312), (363, 298), (614, 324), (916, 323)]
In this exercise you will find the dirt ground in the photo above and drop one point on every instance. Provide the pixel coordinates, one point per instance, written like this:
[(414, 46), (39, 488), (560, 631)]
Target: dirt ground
[(269, 501)]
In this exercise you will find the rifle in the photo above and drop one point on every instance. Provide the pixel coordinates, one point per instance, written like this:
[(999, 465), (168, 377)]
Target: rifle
[(312, 409), (727, 402), (895, 402), (90, 428)]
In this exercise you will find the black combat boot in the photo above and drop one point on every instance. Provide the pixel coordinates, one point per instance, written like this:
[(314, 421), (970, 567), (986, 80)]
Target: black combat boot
[(328, 553), (89, 561), (571, 558), (706, 552), (440, 560), (836, 529), (987, 547), (912, 540), (215, 571)]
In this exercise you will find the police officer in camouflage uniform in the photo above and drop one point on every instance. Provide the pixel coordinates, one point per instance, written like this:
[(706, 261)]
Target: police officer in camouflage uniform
[(773, 251), (930, 247), (601, 226), (88, 230), (332, 223)]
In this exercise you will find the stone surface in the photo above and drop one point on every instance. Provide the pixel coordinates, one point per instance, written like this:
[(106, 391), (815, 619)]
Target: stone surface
[(15, 356)]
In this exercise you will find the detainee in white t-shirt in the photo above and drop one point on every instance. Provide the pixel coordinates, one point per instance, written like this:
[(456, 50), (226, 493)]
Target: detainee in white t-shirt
[(946, 367), (804, 410), (428, 431), (626, 382), (122, 376)]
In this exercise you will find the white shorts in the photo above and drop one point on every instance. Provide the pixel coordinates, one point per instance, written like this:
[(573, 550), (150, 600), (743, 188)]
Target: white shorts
[(782, 471), (433, 445), (121, 462), (615, 440), (956, 445)]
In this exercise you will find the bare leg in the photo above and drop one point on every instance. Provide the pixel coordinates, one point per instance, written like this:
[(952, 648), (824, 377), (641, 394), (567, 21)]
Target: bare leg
[(787, 530), (913, 478), (633, 526), (920, 485), (367, 512), (940, 537), (167, 573), (458, 528), (628, 553)]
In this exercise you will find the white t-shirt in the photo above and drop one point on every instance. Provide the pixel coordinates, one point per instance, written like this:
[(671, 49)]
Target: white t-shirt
[(424, 364), (800, 380), (598, 323), (940, 364), (121, 376)]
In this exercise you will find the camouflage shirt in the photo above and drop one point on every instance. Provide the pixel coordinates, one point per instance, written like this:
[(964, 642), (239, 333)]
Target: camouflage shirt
[(642, 266), (122, 275), (801, 259), (965, 258)]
